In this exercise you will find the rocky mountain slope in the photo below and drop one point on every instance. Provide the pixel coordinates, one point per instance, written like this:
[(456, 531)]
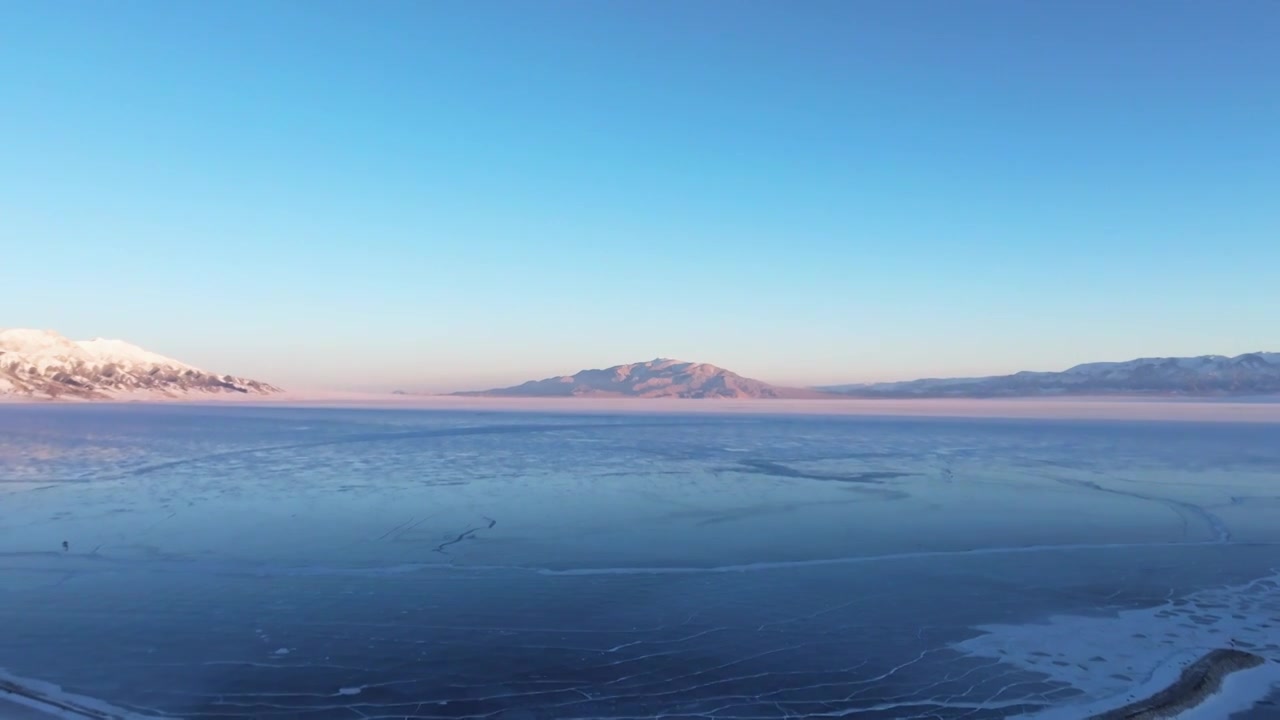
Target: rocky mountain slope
[(41, 364), (661, 378), (1206, 375)]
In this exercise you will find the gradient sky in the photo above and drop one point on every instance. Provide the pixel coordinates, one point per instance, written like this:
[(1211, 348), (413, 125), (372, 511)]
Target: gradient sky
[(457, 194)]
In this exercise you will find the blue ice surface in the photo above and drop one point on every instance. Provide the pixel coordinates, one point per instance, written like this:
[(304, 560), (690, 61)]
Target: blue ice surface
[(313, 563)]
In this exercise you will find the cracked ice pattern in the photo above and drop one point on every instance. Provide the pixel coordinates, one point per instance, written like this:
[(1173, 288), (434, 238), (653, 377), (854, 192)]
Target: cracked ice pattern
[(246, 563)]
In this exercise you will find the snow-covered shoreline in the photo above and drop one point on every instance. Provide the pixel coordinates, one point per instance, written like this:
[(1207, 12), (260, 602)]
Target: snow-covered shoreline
[(1240, 691), (1176, 693), (1193, 686), (1190, 657), (25, 698)]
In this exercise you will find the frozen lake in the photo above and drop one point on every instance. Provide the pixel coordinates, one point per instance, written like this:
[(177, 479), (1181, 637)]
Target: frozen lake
[(285, 563)]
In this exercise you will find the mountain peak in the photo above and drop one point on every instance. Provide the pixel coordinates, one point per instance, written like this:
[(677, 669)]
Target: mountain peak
[(27, 340), (657, 378), (119, 351), (44, 364)]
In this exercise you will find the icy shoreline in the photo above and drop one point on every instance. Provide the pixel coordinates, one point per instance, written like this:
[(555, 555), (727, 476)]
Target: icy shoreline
[(24, 698), (1166, 661), (1195, 684), (1212, 686)]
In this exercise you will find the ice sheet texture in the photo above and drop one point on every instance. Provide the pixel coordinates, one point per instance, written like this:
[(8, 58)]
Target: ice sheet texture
[(242, 562)]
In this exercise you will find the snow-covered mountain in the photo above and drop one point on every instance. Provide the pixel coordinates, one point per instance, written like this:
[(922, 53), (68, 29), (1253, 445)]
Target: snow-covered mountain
[(661, 378), (1206, 375), (45, 365)]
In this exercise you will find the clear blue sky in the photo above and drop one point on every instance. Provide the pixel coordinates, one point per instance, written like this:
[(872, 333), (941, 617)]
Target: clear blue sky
[(450, 194)]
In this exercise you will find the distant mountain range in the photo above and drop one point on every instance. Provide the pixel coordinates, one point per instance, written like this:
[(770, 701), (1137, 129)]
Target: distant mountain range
[(41, 364), (661, 378), (1203, 376), (1206, 375)]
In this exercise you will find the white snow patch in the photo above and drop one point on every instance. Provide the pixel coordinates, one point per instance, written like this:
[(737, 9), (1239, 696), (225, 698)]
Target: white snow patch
[(120, 352), (1116, 660)]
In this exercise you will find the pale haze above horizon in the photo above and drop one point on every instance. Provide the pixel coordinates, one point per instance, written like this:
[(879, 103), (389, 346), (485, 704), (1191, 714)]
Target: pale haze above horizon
[(461, 195)]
